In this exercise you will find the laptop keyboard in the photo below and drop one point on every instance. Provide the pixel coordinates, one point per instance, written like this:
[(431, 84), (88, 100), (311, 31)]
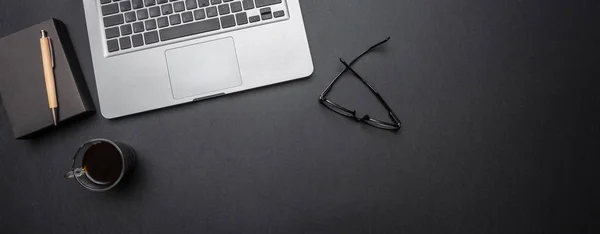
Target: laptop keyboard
[(137, 24)]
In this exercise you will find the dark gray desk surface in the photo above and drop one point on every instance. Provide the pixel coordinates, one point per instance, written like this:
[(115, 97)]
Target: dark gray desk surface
[(500, 134)]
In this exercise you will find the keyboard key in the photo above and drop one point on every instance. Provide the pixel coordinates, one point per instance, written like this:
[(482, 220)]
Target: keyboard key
[(203, 3), (191, 4), (199, 14), (266, 16), (278, 14), (265, 10), (227, 21), (112, 32), (211, 11), (179, 6), (162, 22), (236, 6), (166, 9), (110, 9), (126, 30), (150, 2), (125, 43), (187, 17), (262, 3), (162, 1), (125, 6), (150, 24), (265, 13), (241, 18), (142, 14), (137, 40), (227, 0), (138, 27), (113, 20), (215, 2), (255, 18), (112, 45), (248, 4), (175, 19), (130, 17), (224, 9), (189, 29), (104, 1), (154, 11), (137, 4), (151, 37)]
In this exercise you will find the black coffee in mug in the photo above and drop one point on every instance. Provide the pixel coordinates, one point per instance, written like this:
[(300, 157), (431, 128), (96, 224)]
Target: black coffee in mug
[(102, 163)]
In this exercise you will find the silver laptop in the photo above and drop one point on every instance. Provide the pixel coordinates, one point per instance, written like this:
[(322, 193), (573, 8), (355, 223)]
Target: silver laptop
[(150, 54)]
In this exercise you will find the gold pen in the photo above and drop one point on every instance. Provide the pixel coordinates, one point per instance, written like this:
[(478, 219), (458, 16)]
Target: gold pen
[(48, 64)]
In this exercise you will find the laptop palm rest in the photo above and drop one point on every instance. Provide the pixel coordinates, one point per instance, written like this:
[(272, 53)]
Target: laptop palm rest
[(203, 68)]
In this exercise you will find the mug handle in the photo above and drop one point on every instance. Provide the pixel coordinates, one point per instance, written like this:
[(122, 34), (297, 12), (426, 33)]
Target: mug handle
[(78, 172)]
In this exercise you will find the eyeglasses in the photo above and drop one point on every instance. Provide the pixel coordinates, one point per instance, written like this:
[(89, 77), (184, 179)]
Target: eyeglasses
[(395, 125)]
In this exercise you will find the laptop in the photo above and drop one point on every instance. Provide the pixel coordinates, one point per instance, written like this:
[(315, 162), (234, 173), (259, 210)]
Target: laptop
[(151, 54)]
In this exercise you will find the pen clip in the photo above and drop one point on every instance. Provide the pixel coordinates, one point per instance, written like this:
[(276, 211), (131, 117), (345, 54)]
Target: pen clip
[(51, 51)]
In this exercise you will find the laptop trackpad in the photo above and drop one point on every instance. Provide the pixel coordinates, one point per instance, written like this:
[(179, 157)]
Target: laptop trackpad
[(203, 68)]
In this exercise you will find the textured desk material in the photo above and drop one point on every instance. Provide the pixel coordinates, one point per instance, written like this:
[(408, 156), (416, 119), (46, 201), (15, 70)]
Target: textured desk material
[(22, 86), (500, 136)]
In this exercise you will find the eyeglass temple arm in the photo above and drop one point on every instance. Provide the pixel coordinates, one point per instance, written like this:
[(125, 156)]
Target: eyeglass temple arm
[(321, 98), (379, 97)]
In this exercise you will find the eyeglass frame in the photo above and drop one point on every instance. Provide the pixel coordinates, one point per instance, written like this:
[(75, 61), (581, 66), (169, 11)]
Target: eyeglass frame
[(395, 126)]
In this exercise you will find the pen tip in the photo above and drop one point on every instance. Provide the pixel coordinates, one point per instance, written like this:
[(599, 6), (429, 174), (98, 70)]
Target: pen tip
[(43, 33), (54, 117)]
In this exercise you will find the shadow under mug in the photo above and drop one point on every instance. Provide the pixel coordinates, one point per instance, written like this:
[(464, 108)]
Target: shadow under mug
[(100, 164)]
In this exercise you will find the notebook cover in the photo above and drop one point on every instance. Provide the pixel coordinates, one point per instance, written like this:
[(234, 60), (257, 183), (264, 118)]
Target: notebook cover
[(22, 85)]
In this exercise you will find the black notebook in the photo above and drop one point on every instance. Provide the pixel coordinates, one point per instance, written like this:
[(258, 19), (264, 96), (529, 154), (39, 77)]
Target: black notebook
[(22, 85)]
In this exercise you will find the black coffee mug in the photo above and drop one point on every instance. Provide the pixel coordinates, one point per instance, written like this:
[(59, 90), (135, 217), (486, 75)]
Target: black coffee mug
[(100, 164)]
